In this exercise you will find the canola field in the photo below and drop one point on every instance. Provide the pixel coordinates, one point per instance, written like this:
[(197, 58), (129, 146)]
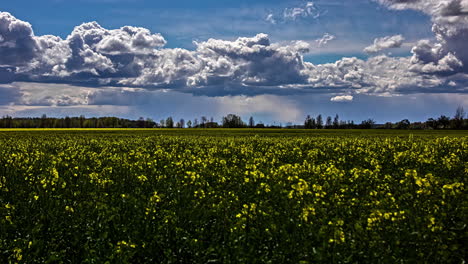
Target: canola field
[(233, 196)]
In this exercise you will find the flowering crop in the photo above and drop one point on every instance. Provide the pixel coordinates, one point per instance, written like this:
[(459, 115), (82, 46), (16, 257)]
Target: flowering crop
[(144, 197)]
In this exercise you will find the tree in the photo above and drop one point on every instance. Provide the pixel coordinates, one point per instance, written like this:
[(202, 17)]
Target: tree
[(308, 122), (8, 122), (149, 123), (260, 125), (459, 113), (458, 119), (329, 122), (388, 125), (182, 123), (432, 123), (233, 121), (195, 123), (443, 121), (367, 124), (82, 121), (211, 125), (319, 122), (68, 123), (336, 121), (169, 122), (141, 122), (99, 123), (189, 124), (251, 122), (44, 123), (203, 121), (403, 124)]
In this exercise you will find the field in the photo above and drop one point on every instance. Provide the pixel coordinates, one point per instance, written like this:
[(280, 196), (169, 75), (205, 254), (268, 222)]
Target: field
[(233, 196)]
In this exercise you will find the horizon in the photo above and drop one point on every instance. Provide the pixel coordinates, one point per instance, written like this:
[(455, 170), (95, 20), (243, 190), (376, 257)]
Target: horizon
[(160, 123), (277, 61)]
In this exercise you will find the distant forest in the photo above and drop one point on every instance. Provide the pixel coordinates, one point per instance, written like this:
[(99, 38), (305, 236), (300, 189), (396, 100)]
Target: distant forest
[(458, 121)]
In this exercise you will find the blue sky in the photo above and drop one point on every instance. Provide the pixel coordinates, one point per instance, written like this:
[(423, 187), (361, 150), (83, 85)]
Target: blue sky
[(192, 62)]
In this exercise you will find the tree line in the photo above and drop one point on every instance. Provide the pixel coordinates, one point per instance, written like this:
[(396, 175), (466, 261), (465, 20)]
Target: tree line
[(443, 122), (229, 121)]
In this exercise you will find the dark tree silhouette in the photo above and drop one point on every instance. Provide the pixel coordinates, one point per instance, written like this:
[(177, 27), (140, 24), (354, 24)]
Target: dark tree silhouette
[(367, 124), (169, 122), (319, 122), (336, 122), (251, 122), (233, 121), (403, 124), (458, 119), (443, 121), (329, 122), (308, 122), (203, 121), (432, 123)]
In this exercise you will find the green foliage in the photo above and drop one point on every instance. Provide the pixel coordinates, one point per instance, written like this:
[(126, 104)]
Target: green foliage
[(232, 196)]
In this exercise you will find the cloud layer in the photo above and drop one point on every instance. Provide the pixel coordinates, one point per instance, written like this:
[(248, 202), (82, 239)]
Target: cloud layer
[(133, 57), (448, 55), (385, 43)]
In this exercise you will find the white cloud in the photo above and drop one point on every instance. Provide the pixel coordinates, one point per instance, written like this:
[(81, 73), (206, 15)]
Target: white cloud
[(38, 94), (271, 19), (448, 55), (94, 57), (17, 44), (307, 10), (324, 40), (342, 98), (385, 43)]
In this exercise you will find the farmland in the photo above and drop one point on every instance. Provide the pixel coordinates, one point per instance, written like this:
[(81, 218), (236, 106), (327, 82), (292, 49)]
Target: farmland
[(233, 196)]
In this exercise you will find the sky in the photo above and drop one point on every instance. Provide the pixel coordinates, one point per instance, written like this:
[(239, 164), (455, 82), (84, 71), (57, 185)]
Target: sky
[(275, 60)]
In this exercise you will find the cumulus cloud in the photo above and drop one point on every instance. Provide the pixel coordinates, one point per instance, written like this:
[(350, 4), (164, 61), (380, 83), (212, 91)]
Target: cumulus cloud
[(95, 57), (447, 55), (385, 43), (134, 57), (324, 39), (442, 11), (17, 43), (342, 98), (89, 53)]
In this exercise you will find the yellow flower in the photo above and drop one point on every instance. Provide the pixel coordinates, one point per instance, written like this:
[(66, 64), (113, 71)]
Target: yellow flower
[(69, 209)]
